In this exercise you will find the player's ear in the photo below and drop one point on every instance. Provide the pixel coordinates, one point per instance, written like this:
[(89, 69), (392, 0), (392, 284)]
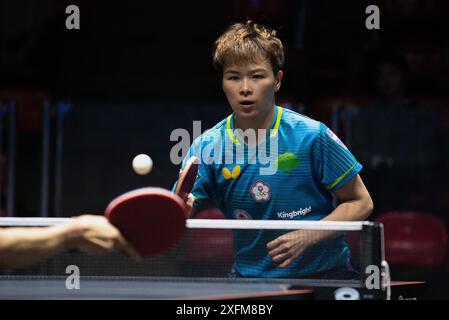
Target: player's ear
[(278, 80)]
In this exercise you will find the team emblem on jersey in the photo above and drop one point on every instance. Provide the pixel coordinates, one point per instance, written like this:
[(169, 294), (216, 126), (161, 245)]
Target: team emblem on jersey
[(260, 191), (286, 162), (231, 175), (241, 214)]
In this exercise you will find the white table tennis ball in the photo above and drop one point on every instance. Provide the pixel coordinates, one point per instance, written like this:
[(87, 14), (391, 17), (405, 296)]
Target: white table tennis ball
[(142, 164)]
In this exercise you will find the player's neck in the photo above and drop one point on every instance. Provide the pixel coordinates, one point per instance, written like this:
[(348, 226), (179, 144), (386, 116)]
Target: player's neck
[(263, 122)]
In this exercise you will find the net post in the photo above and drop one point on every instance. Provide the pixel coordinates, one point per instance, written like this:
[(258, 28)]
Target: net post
[(372, 254)]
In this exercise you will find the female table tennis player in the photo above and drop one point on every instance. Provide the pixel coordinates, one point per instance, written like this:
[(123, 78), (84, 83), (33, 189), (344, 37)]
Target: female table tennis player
[(311, 167)]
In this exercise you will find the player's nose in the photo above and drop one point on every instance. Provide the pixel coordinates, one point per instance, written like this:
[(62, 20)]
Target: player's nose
[(245, 88)]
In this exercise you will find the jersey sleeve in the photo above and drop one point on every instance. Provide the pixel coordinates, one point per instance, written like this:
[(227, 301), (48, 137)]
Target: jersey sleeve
[(334, 164)]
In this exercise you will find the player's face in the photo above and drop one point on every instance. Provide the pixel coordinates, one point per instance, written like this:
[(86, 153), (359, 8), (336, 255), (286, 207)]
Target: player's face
[(250, 88)]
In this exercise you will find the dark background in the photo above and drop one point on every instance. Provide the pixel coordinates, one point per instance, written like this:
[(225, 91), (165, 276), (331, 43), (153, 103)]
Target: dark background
[(136, 70)]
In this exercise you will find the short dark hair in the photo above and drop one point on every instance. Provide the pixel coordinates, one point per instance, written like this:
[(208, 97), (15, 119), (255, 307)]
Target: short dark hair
[(244, 42)]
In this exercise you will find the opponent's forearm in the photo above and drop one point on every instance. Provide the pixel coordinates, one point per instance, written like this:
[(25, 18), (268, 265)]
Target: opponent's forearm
[(24, 246)]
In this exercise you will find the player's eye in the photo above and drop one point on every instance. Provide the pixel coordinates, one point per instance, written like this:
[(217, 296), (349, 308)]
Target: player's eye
[(258, 76), (232, 78)]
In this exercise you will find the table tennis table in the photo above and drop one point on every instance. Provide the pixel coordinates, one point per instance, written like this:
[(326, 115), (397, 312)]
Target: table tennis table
[(116, 277), (154, 288)]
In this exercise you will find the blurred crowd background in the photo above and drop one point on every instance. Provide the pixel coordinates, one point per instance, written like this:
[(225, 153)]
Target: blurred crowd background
[(78, 105)]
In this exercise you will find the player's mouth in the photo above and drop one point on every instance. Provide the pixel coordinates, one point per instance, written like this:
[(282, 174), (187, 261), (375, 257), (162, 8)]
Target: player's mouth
[(247, 103)]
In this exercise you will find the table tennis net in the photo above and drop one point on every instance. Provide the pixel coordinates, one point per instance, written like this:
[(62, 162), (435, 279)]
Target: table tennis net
[(224, 248)]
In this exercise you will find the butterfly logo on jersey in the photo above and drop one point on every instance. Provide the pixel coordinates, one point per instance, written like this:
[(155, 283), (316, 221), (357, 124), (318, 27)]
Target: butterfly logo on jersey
[(260, 191), (231, 175)]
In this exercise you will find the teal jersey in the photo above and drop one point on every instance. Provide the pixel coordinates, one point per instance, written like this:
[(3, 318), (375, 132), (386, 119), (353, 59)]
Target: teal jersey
[(291, 178)]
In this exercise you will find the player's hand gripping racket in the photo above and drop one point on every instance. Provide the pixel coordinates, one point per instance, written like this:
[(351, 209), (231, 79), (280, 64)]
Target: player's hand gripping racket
[(153, 219), (187, 178)]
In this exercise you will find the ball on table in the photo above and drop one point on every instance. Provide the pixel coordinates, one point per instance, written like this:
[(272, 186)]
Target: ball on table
[(142, 164)]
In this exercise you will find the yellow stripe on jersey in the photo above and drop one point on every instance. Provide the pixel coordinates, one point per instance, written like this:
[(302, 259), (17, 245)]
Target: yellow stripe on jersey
[(333, 184), (278, 122), (229, 130)]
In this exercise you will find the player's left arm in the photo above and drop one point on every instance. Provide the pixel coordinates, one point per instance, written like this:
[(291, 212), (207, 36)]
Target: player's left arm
[(354, 202), (337, 171)]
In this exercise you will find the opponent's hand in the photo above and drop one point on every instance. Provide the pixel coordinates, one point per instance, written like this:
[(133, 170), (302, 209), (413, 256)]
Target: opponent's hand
[(289, 246), (95, 235)]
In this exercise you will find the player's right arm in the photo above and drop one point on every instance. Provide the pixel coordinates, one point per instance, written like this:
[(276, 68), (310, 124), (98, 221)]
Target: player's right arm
[(203, 188)]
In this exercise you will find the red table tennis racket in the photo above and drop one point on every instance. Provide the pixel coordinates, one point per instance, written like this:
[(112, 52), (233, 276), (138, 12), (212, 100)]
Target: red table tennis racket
[(153, 219), (187, 178)]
